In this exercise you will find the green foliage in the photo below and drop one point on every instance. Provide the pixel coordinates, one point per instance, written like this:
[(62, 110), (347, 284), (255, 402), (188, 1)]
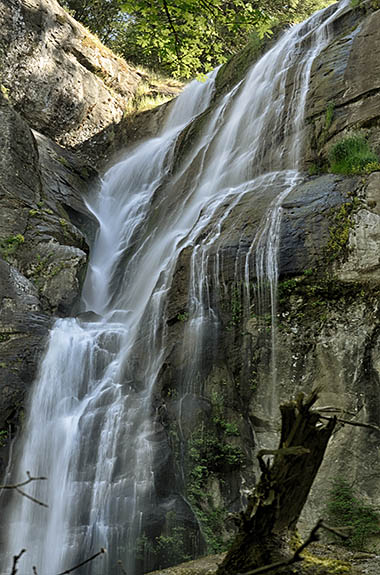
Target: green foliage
[(313, 170), (184, 37), (346, 509), (183, 316), (8, 246), (171, 548), (3, 437), (353, 155), (210, 455), (103, 17), (166, 549)]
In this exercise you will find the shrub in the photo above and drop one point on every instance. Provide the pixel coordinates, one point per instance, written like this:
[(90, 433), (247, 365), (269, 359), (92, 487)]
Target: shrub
[(353, 155), (345, 509)]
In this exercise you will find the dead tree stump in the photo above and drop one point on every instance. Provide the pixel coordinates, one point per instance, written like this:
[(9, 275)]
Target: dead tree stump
[(273, 509)]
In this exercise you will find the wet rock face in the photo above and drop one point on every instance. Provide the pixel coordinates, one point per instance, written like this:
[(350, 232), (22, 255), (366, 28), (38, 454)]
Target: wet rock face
[(345, 79), (43, 252), (327, 318)]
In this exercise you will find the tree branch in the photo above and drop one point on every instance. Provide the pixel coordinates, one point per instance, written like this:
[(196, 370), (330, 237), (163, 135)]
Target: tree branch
[(171, 24), (16, 560), (354, 423), (102, 550), (16, 487)]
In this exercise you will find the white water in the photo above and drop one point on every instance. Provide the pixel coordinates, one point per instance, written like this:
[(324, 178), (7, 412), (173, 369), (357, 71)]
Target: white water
[(91, 426)]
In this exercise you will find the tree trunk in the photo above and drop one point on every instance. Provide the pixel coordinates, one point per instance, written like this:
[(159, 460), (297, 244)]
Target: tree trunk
[(274, 507)]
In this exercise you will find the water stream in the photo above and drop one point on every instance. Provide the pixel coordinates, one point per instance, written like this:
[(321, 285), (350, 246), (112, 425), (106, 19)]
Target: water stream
[(91, 426)]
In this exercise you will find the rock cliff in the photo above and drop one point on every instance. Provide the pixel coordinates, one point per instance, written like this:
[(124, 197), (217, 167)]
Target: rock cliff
[(327, 326)]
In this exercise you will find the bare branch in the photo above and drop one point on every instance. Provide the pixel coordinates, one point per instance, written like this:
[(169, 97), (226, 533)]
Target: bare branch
[(31, 497), (354, 423), (332, 409), (23, 483), (16, 559), (295, 450), (102, 550), (16, 487)]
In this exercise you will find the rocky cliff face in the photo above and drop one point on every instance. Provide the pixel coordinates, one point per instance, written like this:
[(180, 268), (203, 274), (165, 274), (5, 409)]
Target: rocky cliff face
[(327, 326), (62, 89)]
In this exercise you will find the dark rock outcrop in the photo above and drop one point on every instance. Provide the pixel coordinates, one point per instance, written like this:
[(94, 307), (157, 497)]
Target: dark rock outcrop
[(43, 252)]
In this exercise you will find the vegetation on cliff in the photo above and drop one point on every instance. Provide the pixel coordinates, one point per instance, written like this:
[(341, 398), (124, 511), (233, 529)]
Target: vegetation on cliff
[(184, 38)]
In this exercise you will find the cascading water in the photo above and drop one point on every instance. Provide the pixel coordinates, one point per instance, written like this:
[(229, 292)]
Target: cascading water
[(91, 427)]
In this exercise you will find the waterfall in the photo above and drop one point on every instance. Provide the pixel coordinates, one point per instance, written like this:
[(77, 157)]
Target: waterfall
[(92, 426)]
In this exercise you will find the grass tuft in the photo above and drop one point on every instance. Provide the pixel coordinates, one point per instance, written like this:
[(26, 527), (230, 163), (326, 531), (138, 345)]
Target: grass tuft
[(353, 155)]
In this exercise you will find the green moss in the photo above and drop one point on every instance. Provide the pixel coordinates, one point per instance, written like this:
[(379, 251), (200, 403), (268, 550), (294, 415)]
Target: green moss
[(310, 297), (9, 246), (4, 91), (63, 161), (339, 231), (316, 565), (329, 116), (353, 155)]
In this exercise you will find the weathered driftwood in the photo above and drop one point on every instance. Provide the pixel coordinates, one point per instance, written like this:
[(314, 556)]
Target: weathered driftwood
[(270, 519)]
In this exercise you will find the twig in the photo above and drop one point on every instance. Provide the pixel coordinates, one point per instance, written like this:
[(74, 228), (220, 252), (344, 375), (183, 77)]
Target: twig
[(354, 423), (171, 24), (16, 487), (336, 531), (31, 498), (332, 409), (102, 550), (16, 560), (23, 483), (122, 568), (297, 554)]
